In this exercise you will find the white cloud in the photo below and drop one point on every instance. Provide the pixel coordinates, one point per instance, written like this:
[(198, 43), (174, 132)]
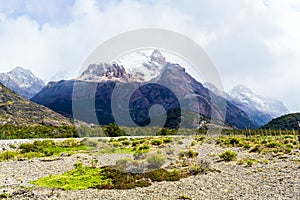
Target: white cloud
[(256, 43)]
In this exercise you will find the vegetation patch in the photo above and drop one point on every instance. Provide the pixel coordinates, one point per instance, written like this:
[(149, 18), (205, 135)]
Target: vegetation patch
[(38, 131), (228, 155), (83, 177), (43, 148)]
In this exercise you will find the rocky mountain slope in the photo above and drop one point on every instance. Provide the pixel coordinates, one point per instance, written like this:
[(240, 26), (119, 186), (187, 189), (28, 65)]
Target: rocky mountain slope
[(16, 110), (249, 99), (22, 81), (260, 109), (288, 121), (164, 83)]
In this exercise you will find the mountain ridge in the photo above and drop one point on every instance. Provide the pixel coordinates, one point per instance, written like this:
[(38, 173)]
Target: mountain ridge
[(22, 81), (288, 121), (172, 78)]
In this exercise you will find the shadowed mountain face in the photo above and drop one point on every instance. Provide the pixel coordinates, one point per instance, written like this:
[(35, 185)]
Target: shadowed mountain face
[(110, 93), (16, 110), (22, 81)]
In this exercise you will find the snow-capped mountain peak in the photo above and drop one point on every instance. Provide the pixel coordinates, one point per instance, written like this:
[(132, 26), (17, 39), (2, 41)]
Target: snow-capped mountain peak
[(254, 101), (63, 75), (143, 66), (22, 81)]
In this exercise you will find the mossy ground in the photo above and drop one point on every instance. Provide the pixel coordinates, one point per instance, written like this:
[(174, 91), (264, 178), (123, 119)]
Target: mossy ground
[(83, 177), (44, 148)]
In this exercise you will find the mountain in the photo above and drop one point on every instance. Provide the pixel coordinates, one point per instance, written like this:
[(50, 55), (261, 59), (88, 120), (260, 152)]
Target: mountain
[(288, 121), (111, 91), (63, 75), (16, 110), (260, 109), (22, 81), (141, 66)]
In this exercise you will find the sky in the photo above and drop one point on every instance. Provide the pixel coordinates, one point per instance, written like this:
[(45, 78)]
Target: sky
[(252, 42)]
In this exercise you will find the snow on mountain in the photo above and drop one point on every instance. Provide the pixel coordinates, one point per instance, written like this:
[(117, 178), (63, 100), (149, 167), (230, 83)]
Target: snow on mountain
[(22, 81), (268, 105), (143, 67), (63, 75)]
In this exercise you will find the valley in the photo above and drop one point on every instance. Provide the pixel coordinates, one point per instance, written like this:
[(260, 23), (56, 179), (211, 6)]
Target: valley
[(134, 133), (253, 167)]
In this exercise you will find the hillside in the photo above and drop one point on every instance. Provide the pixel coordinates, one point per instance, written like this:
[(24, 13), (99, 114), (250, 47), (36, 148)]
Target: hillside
[(284, 122), (16, 110)]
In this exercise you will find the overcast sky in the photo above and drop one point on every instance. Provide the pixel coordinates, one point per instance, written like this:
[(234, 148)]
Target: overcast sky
[(252, 42)]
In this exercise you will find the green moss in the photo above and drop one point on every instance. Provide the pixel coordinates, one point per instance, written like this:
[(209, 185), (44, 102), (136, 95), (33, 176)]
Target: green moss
[(83, 177), (43, 148), (80, 178), (114, 150)]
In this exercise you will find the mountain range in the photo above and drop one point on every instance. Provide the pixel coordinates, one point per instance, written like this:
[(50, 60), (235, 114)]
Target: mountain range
[(157, 82), (152, 80), (260, 109), (22, 81)]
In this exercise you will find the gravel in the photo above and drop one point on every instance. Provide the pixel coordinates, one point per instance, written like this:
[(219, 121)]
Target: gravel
[(275, 179)]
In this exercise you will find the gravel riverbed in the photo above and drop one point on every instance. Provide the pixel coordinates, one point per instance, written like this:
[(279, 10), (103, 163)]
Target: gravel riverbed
[(279, 178)]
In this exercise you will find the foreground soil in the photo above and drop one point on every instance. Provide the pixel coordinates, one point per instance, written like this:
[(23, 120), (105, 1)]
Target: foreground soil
[(271, 177)]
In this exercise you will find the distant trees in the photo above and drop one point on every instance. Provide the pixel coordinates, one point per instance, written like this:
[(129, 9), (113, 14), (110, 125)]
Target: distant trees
[(113, 130), (8, 131)]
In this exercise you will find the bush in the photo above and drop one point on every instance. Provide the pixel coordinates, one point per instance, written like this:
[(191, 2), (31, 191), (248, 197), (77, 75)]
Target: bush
[(126, 143), (234, 141), (155, 161), (166, 131), (189, 154), (156, 142), (247, 146), (201, 167), (250, 162), (228, 155), (167, 140), (256, 149), (7, 155), (273, 145), (113, 130)]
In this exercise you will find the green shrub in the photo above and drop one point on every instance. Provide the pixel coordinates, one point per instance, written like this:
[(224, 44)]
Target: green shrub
[(247, 146), (184, 197), (250, 162), (144, 148), (4, 196), (167, 140), (166, 131), (234, 141), (189, 154), (180, 142), (193, 143), (7, 155), (126, 143), (287, 150), (273, 145), (12, 146), (256, 149), (201, 167), (228, 155), (155, 161), (113, 130), (156, 142)]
